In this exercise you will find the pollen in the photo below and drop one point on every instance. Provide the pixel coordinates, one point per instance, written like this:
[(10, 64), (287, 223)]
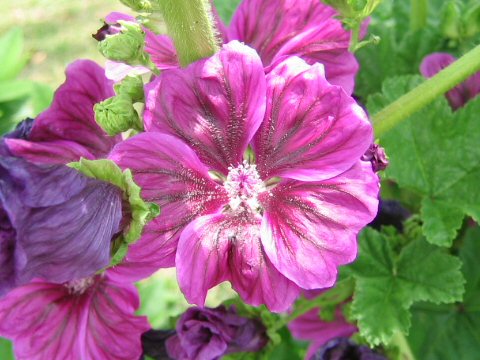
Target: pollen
[(243, 185)]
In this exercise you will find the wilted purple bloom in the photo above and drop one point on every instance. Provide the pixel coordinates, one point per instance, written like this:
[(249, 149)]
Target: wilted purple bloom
[(67, 130), (276, 29), (460, 94), (376, 155), (153, 344), (271, 227), (318, 332), (345, 349), (208, 334), (88, 319), (55, 223), (21, 131), (390, 212)]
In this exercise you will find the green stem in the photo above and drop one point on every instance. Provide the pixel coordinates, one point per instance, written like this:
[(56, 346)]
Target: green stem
[(341, 292), (425, 93), (190, 24), (418, 14), (402, 344)]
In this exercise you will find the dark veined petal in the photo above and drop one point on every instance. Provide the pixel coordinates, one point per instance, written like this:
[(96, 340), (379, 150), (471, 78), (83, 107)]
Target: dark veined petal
[(214, 105), (88, 319), (67, 130), (310, 228), (219, 247), (62, 222), (308, 29), (171, 175), (312, 130)]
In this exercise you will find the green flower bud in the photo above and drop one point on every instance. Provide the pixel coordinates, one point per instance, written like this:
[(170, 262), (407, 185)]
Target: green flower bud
[(138, 5), (126, 45), (472, 21), (450, 20), (131, 86), (117, 114)]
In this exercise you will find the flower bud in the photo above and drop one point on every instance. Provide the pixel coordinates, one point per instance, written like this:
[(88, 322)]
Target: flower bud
[(138, 5), (122, 42), (376, 155), (117, 114), (450, 20), (131, 86), (214, 333)]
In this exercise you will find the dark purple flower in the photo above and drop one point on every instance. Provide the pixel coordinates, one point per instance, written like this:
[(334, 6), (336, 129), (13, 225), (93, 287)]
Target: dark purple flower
[(390, 212), (20, 132), (154, 344), (345, 349), (208, 334), (460, 94), (107, 29), (376, 155), (67, 130), (55, 223)]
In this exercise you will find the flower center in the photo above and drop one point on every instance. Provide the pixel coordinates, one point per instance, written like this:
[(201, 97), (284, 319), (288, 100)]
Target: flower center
[(243, 185), (79, 286)]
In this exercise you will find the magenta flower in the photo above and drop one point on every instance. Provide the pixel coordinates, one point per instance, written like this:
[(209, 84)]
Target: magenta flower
[(460, 94), (311, 328), (88, 319), (276, 29), (271, 227), (67, 130)]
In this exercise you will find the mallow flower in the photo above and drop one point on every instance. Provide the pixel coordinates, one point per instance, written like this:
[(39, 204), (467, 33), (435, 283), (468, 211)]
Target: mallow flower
[(67, 130), (259, 177), (55, 223), (208, 334), (88, 318), (460, 94), (345, 349), (276, 29)]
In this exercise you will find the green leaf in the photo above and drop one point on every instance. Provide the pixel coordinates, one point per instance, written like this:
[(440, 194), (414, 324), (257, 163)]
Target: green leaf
[(6, 351), (388, 284), (141, 212), (11, 54), (41, 97), (436, 154), (453, 331), (14, 89), (226, 8)]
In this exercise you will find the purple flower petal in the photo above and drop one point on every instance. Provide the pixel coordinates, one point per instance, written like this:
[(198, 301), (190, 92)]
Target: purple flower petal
[(62, 223), (214, 105), (310, 228), (310, 327), (220, 247), (87, 319), (67, 130), (460, 94), (170, 174), (117, 71), (312, 130), (161, 50), (307, 29)]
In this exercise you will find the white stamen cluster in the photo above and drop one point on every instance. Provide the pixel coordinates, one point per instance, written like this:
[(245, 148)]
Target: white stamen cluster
[(243, 185)]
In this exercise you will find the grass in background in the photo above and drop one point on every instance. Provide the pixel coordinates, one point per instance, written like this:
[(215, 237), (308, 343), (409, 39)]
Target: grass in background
[(56, 33)]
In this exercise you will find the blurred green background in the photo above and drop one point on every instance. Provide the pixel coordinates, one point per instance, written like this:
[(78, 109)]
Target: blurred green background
[(56, 33)]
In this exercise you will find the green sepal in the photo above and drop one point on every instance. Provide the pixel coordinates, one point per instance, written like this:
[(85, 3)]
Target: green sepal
[(125, 46), (138, 5), (141, 212), (131, 86), (117, 114)]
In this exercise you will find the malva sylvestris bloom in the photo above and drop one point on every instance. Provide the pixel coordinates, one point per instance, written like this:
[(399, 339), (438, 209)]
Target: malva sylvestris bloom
[(276, 29), (84, 319), (271, 227), (460, 94), (55, 223), (67, 130), (208, 334)]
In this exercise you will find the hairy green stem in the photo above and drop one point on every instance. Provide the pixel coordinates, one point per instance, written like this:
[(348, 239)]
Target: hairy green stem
[(191, 25), (425, 93), (341, 292), (418, 14)]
